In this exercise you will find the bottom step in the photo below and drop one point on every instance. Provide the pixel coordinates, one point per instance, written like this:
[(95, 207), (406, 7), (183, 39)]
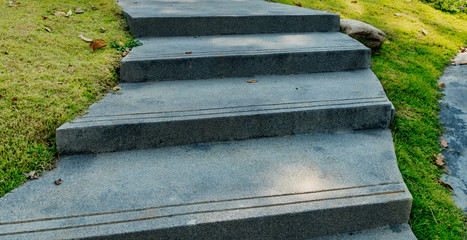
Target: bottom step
[(293, 187), (393, 232)]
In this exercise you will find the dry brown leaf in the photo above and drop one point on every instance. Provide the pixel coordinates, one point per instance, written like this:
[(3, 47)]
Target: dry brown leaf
[(58, 181), (425, 32), (440, 160), (14, 4), (69, 13), (189, 52), (353, 1), (84, 38), (444, 143), (58, 13), (31, 175), (441, 84), (124, 54), (445, 185), (251, 81), (1, 96), (48, 29), (453, 60), (14, 99), (79, 11), (93, 8), (121, 44), (72, 69), (463, 63), (98, 101), (462, 49), (60, 83), (44, 18), (297, 3), (116, 88), (97, 44)]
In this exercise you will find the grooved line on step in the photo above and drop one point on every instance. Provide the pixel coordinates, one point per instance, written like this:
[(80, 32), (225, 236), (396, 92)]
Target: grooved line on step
[(240, 52), (280, 106), (199, 203), (198, 212)]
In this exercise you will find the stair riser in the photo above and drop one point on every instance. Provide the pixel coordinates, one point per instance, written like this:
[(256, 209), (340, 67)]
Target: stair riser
[(243, 65), (136, 134), (300, 226), (197, 26)]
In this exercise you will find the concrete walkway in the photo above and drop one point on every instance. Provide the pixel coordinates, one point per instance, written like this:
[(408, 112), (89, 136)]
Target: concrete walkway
[(454, 117)]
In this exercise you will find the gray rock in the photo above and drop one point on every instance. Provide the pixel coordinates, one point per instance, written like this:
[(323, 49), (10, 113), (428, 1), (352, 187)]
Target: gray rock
[(363, 32)]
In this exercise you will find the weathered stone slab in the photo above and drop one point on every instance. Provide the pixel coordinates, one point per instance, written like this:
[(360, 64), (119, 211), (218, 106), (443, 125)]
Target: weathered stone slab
[(158, 114), (294, 187), (213, 17), (180, 58)]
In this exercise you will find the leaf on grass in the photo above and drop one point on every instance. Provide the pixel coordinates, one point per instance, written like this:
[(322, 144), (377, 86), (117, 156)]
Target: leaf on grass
[(397, 14), (79, 11), (251, 81), (44, 18), (444, 143), (116, 88), (440, 160), (462, 49), (453, 60), (14, 4), (31, 175), (1, 96), (14, 99), (84, 38), (124, 54), (69, 13), (425, 32), (297, 3), (97, 44), (445, 185), (353, 1), (71, 69), (58, 181), (58, 13), (103, 30), (441, 84), (60, 83), (48, 29)]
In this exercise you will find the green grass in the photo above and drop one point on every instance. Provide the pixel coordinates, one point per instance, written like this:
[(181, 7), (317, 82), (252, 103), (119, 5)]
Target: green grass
[(409, 65), (55, 76)]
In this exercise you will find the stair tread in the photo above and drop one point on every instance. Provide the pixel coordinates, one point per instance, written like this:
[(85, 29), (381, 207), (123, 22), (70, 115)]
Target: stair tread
[(229, 45), (221, 183), (211, 8), (165, 101)]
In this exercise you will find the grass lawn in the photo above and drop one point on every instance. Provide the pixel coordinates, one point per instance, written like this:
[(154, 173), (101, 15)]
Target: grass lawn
[(49, 77)]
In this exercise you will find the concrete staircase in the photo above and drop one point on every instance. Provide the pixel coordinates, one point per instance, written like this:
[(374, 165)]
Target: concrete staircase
[(236, 120)]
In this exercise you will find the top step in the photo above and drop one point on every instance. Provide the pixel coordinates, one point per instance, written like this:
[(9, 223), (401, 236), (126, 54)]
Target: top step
[(162, 18)]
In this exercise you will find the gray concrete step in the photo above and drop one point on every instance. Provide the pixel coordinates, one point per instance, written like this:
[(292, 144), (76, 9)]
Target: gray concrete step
[(293, 187), (159, 18), (156, 114), (180, 58), (391, 232)]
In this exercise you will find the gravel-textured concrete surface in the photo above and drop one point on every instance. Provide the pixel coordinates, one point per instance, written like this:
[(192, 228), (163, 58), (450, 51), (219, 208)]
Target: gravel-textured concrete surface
[(454, 117)]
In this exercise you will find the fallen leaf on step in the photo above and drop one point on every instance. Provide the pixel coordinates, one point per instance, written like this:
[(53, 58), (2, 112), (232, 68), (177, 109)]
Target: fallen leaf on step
[(444, 143), (97, 44), (68, 14), (425, 32), (48, 29), (453, 60), (251, 81), (84, 38), (297, 3), (79, 11), (440, 160), (463, 63), (445, 185), (116, 88), (189, 52), (58, 181), (462, 49), (397, 14), (58, 13), (13, 4), (441, 84), (31, 175)]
